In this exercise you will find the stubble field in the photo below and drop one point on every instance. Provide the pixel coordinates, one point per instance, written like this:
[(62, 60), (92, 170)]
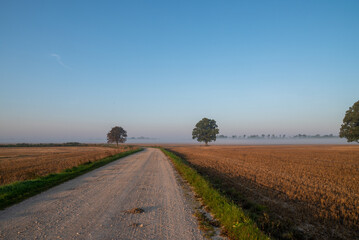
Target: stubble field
[(23, 163), (314, 188)]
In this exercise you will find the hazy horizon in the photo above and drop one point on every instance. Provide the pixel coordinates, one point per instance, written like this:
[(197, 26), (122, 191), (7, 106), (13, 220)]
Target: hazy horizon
[(189, 140), (72, 70)]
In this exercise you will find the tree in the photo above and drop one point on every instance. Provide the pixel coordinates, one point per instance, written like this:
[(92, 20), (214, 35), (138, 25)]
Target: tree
[(205, 131), (350, 126), (117, 135)]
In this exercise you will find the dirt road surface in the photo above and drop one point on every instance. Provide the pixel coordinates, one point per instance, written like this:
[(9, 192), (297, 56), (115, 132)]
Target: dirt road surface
[(95, 205)]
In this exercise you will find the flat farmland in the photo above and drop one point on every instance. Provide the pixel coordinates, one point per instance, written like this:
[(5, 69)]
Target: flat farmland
[(23, 163), (315, 188)]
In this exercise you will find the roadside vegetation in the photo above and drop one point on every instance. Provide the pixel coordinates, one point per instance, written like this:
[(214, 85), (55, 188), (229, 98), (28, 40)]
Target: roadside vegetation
[(18, 191), (236, 224)]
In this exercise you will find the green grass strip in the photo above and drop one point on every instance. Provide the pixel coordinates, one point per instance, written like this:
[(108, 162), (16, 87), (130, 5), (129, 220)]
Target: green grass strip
[(230, 215), (18, 191)]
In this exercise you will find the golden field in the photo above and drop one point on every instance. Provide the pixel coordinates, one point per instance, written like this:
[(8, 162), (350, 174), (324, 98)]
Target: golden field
[(315, 188), (23, 163)]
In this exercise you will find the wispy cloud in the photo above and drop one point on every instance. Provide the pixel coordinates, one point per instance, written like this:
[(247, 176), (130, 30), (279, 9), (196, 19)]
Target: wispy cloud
[(58, 59)]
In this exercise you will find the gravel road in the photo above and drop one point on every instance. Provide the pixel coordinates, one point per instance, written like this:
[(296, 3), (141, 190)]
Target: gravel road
[(95, 205)]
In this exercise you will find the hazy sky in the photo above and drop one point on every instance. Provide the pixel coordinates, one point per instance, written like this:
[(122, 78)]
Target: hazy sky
[(71, 70)]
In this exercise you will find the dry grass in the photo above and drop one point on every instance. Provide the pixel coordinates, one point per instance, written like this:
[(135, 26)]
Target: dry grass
[(314, 187), (23, 163)]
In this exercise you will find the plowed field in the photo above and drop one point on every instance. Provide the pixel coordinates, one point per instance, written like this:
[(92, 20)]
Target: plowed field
[(23, 163), (316, 188)]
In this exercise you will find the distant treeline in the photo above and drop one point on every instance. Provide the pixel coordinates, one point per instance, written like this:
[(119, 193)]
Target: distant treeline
[(273, 136), (315, 136), (67, 144), (140, 138)]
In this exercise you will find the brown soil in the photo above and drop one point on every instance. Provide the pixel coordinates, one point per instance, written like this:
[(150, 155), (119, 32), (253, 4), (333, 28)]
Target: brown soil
[(23, 163), (316, 188)]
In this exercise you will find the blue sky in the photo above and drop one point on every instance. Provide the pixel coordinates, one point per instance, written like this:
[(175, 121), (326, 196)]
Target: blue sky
[(71, 70)]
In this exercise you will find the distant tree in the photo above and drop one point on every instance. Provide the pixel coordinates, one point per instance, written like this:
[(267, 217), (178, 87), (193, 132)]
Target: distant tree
[(205, 131), (222, 136), (350, 126), (253, 136), (116, 134), (244, 136)]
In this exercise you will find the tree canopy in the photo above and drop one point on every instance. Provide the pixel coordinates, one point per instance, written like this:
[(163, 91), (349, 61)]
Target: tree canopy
[(116, 134), (205, 131), (350, 126)]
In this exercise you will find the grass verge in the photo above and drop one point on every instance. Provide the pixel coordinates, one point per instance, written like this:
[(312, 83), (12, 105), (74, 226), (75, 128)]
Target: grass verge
[(18, 191), (236, 223)]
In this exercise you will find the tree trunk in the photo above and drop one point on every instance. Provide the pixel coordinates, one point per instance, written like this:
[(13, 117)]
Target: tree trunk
[(117, 144), (206, 143)]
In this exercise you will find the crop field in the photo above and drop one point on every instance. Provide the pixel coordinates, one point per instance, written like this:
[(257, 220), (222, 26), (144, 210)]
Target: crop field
[(313, 188), (23, 163)]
